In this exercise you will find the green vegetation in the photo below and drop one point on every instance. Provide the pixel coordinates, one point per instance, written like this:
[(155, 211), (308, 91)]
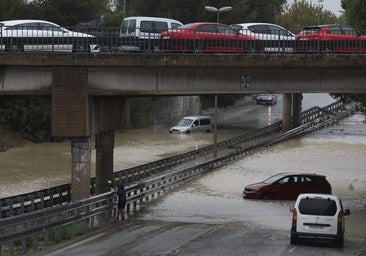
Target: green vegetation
[(31, 116)]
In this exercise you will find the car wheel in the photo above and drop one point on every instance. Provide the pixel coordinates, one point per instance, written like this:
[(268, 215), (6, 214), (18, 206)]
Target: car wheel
[(187, 132), (80, 48), (198, 46), (208, 131), (266, 196), (15, 48), (340, 241), (294, 239)]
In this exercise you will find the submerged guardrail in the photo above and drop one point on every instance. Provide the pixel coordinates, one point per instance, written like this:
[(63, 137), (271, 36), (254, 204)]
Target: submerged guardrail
[(58, 195), (33, 230)]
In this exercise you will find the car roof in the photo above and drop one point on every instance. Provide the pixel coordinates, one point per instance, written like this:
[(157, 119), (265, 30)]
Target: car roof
[(256, 23), (16, 22), (196, 117), (151, 18), (301, 173), (315, 195)]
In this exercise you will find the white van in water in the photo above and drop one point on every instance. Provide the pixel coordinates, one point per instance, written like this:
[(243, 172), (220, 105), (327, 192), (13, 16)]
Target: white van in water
[(193, 124), (318, 216), (143, 33)]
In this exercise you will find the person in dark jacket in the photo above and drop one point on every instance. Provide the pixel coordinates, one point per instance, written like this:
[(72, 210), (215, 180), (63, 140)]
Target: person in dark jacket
[(122, 198)]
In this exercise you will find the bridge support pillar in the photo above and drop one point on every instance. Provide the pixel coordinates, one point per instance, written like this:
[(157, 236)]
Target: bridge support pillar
[(80, 168), (286, 111), (291, 112), (104, 144), (296, 109)]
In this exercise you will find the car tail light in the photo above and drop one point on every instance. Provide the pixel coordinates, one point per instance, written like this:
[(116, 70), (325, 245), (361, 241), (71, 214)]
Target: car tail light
[(294, 217), (340, 220)]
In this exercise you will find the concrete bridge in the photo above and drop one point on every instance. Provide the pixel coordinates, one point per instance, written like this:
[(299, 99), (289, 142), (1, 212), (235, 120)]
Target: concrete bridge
[(89, 90)]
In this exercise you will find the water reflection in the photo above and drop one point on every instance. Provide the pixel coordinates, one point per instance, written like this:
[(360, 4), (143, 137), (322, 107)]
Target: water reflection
[(217, 197)]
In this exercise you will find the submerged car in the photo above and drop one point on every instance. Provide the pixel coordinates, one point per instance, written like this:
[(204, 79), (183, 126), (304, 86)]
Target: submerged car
[(208, 37), (320, 217), (287, 186), (40, 35), (190, 124), (266, 99)]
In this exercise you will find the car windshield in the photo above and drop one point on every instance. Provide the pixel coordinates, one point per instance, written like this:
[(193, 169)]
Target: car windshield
[(272, 179), (318, 206), (186, 26), (185, 122), (310, 31)]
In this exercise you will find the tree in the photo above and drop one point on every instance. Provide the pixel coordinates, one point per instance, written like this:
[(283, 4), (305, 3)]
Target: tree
[(192, 10), (303, 13), (70, 12), (14, 9), (355, 11)]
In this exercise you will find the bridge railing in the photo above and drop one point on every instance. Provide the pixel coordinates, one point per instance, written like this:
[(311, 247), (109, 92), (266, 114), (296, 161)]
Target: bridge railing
[(34, 229), (41, 199), (109, 39)]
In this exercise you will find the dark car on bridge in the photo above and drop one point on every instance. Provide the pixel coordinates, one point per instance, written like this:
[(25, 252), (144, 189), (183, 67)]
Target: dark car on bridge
[(266, 99), (208, 37), (330, 38), (288, 186)]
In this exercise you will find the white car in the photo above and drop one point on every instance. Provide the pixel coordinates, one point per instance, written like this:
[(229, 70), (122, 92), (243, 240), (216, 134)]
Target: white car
[(40, 35), (268, 31), (318, 216)]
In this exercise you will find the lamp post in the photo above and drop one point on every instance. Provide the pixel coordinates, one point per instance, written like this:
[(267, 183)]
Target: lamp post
[(319, 12), (214, 9)]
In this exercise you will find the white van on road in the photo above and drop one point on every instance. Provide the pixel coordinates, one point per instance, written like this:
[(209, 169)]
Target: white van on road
[(318, 216), (143, 33), (193, 124)]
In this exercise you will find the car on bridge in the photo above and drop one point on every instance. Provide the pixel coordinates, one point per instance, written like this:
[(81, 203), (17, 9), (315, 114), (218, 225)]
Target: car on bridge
[(287, 186), (276, 39), (40, 35), (208, 37), (330, 38)]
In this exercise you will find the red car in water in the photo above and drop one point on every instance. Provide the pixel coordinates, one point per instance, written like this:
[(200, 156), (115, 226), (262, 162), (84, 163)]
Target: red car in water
[(208, 37), (330, 38), (288, 186)]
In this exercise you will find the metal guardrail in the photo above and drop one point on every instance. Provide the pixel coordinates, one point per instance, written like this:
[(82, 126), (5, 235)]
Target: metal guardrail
[(108, 39), (58, 195), (21, 232)]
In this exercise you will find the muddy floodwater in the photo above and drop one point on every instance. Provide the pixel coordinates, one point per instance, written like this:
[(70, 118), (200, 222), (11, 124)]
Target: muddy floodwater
[(339, 152)]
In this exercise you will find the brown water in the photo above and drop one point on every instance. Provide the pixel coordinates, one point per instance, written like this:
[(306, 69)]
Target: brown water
[(339, 152)]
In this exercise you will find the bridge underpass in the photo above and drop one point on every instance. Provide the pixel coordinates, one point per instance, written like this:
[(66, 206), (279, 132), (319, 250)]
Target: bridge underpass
[(82, 87)]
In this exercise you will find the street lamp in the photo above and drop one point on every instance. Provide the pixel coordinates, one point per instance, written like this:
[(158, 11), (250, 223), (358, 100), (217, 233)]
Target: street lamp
[(319, 12), (214, 9), (222, 9)]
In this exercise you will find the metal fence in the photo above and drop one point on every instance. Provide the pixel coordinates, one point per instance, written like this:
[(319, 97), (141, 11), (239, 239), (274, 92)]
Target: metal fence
[(109, 39), (32, 230), (59, 195)]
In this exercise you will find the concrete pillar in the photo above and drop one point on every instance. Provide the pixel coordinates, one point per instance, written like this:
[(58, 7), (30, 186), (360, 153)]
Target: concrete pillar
[(286, 111), (104, 144), (80, 169), (296, 109)]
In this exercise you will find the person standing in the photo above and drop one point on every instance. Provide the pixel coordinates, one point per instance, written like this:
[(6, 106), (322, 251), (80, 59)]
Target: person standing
[(122, 199)]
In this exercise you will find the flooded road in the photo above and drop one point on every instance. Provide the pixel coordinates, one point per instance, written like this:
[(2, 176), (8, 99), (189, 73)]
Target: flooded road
[(339, 152)]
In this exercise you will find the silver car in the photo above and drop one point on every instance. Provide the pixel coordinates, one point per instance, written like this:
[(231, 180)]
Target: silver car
[(40, 35), (279, 36)]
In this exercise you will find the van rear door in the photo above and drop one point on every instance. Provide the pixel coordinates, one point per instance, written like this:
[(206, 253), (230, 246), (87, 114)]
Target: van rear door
[(318, 216)]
